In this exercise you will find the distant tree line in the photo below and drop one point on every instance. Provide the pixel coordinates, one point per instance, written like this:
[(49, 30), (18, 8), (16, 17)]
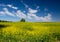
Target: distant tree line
[(4, 21), (22, 20)]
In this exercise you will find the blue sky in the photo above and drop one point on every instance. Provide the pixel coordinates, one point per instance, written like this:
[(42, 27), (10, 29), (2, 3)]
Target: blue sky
[(31, 10)]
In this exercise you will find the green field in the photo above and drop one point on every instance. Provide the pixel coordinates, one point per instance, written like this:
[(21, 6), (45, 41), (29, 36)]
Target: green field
[(29, 31)]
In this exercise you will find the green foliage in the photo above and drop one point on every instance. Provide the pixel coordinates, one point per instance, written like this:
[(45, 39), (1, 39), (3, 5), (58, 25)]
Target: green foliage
[(22, 20)]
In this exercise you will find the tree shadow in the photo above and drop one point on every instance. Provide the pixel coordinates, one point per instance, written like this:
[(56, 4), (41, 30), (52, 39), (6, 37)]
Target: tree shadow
[(3, 26)]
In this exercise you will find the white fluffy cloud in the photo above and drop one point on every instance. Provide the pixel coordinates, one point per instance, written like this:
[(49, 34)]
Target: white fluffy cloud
[(20, 14), (2, 13), (31, 14), (45, 18), (38, 18), (6, 12), (32, 10), (11, 6)]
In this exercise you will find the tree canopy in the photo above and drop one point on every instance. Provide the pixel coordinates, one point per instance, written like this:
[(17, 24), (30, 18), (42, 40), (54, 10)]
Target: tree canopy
[(22, 20)]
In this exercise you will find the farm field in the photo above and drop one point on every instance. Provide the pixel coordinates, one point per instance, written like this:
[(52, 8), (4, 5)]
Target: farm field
[(29, 31)]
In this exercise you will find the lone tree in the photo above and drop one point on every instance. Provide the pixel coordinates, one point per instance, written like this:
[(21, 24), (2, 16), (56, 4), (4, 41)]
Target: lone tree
[(22, 20)]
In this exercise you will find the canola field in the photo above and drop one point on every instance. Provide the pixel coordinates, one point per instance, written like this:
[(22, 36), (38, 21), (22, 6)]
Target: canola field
[(29, 31)]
